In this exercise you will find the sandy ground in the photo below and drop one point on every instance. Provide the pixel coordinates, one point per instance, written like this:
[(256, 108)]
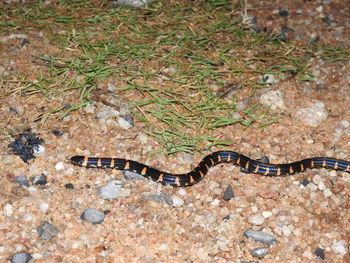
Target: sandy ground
[(196, 224)]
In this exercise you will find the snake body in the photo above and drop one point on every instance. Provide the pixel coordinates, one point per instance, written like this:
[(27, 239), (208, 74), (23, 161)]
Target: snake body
[(215, 158)]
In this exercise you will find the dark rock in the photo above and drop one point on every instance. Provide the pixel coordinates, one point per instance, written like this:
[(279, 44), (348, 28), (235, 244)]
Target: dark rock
[(69, 186), (40, 179), (46, 231), (283, 13), (228, 194), (319, 252), (21, 180)]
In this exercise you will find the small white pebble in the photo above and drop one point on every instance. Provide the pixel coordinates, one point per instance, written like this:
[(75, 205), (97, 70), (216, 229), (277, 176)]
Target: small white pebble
[(254, 209), (43, 207), (39, 149), (312, 186), (286, 231), (215, 202), (327, 193), (28, 217), (124, 123), (321, 186), (319, 8), (316, 179), (257, 220), (59, 166), (8, 210), (308, 254), (345, 123), (163, 247), (266, 214), (339, 247), (77, 244), (177, 201), (310, 141)]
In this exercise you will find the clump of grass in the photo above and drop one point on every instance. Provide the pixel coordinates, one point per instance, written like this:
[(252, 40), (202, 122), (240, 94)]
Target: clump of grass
[(203, 43)]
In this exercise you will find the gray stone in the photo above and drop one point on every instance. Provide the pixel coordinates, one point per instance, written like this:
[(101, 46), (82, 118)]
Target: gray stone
[(46, 231), (21, 180), (21, 257), (112, 190), (260, 236), (92, 215), (228, 194)]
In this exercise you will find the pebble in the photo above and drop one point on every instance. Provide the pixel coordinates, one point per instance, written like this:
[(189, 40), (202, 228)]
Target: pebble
[(266, 214), (345, 123), (112, 190), (46, 231), (111, 87), (126, 121), (21, 180), (19, 110), (339, 247), (177, 201), (21, 257), (8, 210), (37, 148), (39, 179), (257, 220), (273, 99), (182, 192), (259, 252), (319, 252), (268, 78), (260, 236), (28, 217), (283, 13), (228, 194), (92, 215), (57, 133), (59, 166), (286, 231), (107, 112), (69, 186), (128, 175), (44, 207), (167, 198), (188, 158), (312, 116)]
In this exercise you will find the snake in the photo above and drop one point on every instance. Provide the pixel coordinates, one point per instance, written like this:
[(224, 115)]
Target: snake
[(215, 158)]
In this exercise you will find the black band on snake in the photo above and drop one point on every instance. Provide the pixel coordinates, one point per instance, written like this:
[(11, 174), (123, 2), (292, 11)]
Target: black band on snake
[(198, 173)]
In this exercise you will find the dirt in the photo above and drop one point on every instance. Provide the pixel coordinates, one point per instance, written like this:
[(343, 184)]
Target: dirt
[(192, 227)]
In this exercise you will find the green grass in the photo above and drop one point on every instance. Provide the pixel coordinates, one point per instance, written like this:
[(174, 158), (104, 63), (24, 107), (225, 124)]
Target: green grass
[(202, 41)]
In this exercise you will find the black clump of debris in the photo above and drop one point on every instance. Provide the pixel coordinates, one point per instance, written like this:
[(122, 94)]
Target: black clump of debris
[(25, 145)]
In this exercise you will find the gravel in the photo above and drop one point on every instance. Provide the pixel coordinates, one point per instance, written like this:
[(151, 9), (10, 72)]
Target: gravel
[(112, 190), (22, 180), (260, 236), (92, 215), (257, 220), (21, 257), (167, 198), (319, 252), (46, 231), (39, 179), (228, 194), (259, 252)]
